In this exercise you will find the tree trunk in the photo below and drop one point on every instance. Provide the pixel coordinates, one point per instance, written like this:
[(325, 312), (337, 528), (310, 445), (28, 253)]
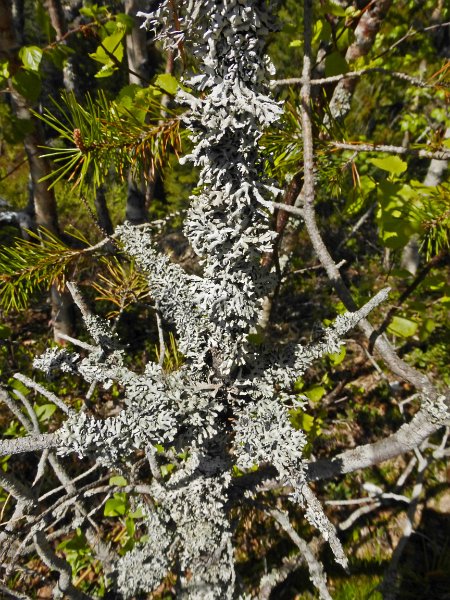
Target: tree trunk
[(44, 202)]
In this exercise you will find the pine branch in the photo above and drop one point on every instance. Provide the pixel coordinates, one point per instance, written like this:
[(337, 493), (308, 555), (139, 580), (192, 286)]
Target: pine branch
[(108, 133)]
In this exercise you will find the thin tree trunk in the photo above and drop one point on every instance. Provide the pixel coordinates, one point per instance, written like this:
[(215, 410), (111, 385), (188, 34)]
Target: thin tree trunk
[(59, 24), (44, 203)]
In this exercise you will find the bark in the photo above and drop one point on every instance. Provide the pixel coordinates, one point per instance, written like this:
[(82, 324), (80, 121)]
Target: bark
[(136, 43), (44, 202), (408, 437), (59, 24), (101, 208), (139, 73)]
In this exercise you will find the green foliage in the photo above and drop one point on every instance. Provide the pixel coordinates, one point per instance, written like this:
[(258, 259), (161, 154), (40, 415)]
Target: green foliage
[(31, 265), (122, 285), (173, 359), (127, 133)]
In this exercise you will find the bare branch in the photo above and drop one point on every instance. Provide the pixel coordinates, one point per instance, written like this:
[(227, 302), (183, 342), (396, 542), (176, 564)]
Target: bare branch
[(389, 585), (407, 438), (440, 154), (28, 444), (356, 74), (315, 567), (56, 563), (41, 389)]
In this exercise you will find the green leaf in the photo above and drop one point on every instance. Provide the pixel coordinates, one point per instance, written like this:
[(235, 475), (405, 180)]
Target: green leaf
[(338, 357), (116, 506), (113, 44), (18, 385), (315, 393), (118, 480), (77, 542), (299, 385), (296, 44), (403, 327), (167, 82), (106, 70), (4, 69), (335, 64), (126, 21), (321, 31), (44, 412), (392, 164), (27, 84), (31, 57), (137, 514), (109, 53), (167, 469), (329, 7)]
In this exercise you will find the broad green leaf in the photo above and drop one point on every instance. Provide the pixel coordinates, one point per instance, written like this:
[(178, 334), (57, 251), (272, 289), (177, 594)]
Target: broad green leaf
[(392, 164), (338, 357), (106, 70), (109, 52), (130, 526), (118, 480), (126, 21), (315, 393), (296, 44), (77, 542), (137, 514), (27, 84), (113, 44), (116, 506), (44, 412), (335, 64), (167, 82), (403, 327), (167, 469), (4, 69), (329, 7), (31, 57), (18, 385), (299, 385)]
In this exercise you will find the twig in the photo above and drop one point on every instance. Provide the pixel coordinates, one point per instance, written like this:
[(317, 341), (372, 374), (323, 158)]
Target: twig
[(354, 74), (441, 154), (76, 342), (407, 438), (355, 515), (12, 405), (41, 390), (162, 346), (389, 585), (56, 563), (363, 218), (411, 33), (12, 594), (278, 575), (30, 411), (30, 443), (316, 572)]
